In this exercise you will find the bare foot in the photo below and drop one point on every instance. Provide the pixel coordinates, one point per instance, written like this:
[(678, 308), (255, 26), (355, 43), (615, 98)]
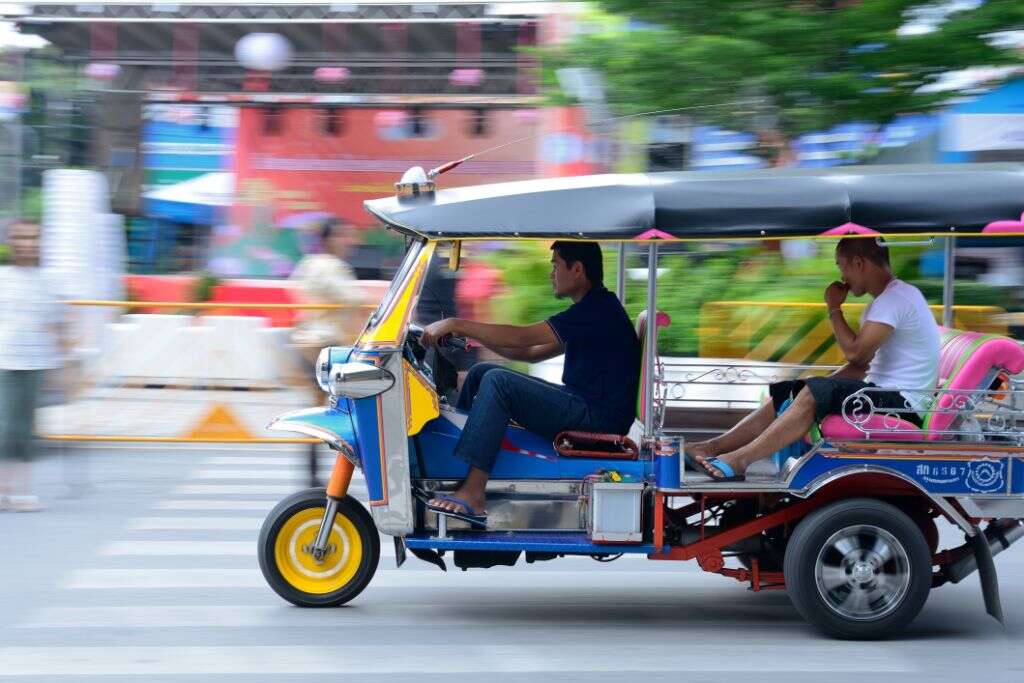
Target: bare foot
[(700, 451)]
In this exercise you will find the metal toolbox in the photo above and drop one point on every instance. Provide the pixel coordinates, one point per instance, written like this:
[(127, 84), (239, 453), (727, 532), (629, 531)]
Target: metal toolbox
[(611, 511)]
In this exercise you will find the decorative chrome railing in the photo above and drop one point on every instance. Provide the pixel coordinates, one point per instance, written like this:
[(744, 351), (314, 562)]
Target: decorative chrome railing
[(973, 415), (715, 385)]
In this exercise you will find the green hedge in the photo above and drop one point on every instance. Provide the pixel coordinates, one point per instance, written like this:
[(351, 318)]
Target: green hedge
[(704, 274)]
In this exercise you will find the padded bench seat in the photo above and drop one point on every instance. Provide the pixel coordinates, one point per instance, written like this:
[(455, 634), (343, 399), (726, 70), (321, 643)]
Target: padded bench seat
[(968, 361)]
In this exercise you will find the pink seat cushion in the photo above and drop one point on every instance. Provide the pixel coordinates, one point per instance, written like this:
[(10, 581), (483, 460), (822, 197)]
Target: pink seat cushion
[(875, 427), (966, 360)]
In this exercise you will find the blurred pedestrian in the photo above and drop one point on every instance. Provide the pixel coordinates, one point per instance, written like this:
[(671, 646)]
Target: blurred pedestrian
[(31, 341), (327, 278)]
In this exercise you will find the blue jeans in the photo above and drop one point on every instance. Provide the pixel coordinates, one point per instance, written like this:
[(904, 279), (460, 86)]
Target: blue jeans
[(493, 395)]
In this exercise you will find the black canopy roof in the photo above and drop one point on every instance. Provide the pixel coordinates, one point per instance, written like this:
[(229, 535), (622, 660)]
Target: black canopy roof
[(759, 204)]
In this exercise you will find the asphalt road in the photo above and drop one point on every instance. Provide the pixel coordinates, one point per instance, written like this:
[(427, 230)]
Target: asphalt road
[(143, 568)]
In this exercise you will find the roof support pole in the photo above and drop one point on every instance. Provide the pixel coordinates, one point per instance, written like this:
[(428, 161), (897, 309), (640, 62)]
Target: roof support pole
[(652, 328), (620, 274), (947, 282)]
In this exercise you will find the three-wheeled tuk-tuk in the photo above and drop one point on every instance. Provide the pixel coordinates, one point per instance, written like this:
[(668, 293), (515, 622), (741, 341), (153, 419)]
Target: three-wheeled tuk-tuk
[(847, 526)]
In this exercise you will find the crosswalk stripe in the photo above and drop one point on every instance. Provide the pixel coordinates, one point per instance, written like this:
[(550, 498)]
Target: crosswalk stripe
[(245, 489), (418, 577), (177, 548), (520, 657), (296, 460), (195, 523), (200, 504), (281, 474), (392, 614), (143, 548)]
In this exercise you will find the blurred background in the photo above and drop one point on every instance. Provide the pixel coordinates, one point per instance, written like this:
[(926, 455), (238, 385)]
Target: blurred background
[(179, 153)]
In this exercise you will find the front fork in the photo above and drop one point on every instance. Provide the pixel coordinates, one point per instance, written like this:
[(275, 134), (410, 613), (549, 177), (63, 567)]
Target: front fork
[(337, 488)]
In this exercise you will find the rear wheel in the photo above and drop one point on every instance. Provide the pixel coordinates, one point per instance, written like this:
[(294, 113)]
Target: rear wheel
[(858, 569), (287, 562)]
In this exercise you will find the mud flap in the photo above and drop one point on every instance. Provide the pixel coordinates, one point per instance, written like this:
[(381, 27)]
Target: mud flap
[(987, 575), (399, 552), (431, 556)]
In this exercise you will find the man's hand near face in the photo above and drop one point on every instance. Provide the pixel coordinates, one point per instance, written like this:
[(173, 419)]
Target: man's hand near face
[(835, 295)]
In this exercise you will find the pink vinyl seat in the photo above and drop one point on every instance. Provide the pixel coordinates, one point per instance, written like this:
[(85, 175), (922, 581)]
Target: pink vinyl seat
[(968, 361)]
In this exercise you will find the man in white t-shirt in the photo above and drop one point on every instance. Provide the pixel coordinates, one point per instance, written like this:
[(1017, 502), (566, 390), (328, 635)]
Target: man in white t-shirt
[(897, 347), (31, 333)]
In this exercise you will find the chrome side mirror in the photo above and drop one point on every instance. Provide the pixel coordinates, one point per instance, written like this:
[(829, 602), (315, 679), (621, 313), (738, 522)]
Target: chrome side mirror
[(359, 380)]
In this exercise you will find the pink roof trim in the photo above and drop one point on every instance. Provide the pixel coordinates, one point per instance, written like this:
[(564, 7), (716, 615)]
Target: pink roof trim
[(850, 229), (1005, 226), (654, 234)]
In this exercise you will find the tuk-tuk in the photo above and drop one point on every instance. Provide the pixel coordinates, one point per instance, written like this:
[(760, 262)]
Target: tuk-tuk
[(847, 525)]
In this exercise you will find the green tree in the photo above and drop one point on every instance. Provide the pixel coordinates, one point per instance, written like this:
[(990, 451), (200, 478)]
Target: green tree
[(781, 67)]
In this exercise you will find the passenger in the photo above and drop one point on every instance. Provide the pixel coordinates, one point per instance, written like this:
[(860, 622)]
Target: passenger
[(897, 347), (600, 376)]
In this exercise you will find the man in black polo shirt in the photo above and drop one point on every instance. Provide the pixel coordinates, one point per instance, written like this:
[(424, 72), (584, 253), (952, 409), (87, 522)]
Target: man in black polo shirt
[(600, 376)]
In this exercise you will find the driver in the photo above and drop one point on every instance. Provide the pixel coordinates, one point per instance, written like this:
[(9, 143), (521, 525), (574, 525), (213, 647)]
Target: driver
[(600, 376)]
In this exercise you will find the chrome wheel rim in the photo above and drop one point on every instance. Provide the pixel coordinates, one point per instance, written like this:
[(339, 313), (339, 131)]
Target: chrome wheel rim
[(862, 572)]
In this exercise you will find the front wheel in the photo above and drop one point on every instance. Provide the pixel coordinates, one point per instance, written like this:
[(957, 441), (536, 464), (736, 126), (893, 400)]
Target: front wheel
[(858, 569), (288, 565)]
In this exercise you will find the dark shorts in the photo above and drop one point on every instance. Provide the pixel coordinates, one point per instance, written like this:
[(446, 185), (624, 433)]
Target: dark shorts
[(830, 392)]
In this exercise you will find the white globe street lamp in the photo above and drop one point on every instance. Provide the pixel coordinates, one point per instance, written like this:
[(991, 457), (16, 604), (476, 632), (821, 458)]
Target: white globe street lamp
[(263, 51)]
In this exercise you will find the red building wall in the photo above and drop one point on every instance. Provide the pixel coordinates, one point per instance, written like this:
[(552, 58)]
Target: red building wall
[(287, 162)]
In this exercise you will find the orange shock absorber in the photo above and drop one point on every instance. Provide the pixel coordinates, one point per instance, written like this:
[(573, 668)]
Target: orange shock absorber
[(341, 476)]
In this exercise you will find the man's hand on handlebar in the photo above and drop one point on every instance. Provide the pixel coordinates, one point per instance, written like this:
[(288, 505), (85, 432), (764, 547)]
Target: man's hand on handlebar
[(442, 333)]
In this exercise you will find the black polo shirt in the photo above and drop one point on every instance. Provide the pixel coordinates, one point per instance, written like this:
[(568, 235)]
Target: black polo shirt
[(602, 356)]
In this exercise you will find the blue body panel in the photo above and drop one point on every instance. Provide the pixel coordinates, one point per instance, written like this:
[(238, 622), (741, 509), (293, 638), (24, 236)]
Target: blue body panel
[(524, 455), (949, 475), (334, 420), (575, 543), (365, 419)]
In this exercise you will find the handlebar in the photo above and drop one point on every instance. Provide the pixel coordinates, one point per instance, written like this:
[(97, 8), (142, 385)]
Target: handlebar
[(449, 341)]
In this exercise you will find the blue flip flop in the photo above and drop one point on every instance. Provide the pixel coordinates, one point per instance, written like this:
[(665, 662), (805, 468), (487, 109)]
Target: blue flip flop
[(725, 468), (476, 520)]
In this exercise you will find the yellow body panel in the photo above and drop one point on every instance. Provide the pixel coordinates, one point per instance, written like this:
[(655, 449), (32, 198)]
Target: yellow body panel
[(389, 329), (421, 405), (298, 567)]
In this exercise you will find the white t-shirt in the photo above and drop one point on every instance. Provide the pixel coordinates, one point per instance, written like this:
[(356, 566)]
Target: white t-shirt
[(909, 358), (29, 312)]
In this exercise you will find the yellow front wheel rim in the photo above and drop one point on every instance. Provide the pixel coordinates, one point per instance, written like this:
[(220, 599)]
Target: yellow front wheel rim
[(296, 563)]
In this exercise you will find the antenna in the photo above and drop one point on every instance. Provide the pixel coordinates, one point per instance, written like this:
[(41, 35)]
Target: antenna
[(444, 168)]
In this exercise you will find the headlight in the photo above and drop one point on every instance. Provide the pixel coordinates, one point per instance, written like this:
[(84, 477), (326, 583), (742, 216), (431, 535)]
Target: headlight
[(322, 371)]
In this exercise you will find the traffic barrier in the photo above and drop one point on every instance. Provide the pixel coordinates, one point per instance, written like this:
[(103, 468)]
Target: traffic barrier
[(219, 355), (796, 332)]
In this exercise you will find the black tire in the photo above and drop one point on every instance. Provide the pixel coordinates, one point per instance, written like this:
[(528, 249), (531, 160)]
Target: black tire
[(289, 575), (842, 541)]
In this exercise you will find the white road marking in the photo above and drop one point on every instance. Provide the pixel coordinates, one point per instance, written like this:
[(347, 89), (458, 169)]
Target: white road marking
[(280, 474), (235, 489), (526, 657), (422, 576), (195, 523), (200, 504), (177, 548), (194, 548), (422, 614), (128, 579), (265, 461)]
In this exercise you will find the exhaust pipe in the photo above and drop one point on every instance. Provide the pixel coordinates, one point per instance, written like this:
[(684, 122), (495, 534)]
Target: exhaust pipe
[(1000, 534)]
